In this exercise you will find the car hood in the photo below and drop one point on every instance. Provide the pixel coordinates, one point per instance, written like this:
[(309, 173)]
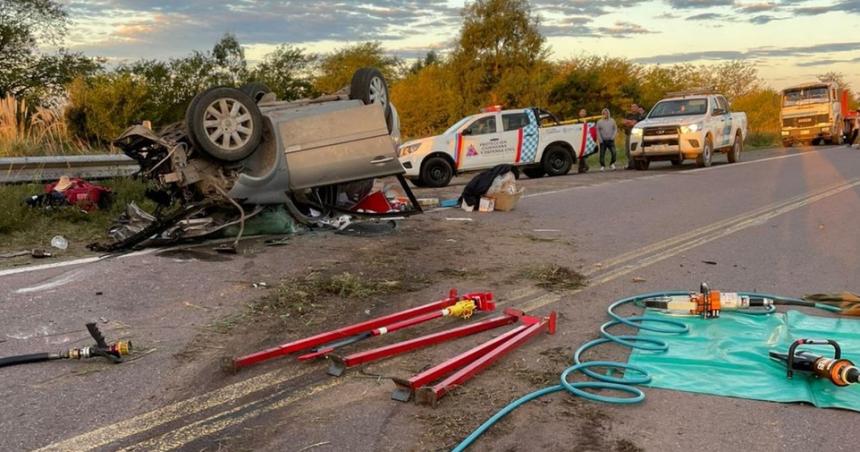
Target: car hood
[(671, 121)]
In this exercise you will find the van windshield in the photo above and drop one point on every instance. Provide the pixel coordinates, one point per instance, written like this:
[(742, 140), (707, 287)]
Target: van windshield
[(679, 107), (805, 95)]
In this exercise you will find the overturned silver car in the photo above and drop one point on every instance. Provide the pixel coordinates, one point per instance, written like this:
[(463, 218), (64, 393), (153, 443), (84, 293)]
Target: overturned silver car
[(240, 150)]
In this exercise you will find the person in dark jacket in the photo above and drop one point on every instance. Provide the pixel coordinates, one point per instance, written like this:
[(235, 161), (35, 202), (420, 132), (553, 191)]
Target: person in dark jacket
[(630, 120)]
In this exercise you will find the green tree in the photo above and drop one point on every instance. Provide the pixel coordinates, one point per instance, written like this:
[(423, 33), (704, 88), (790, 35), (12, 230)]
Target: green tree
[(286, 71), (229, 60), (101, 107), (499, 55), (429, 59), (595, 83), (426, 101), (335, 70), (25, 72)]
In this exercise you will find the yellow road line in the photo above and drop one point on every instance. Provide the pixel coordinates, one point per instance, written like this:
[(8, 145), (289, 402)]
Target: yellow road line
[(204, 427), (147, 421), (197, 404), (707, 229)]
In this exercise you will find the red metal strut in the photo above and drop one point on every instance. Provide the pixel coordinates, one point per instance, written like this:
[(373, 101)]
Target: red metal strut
[(484, 302), (340, 364)]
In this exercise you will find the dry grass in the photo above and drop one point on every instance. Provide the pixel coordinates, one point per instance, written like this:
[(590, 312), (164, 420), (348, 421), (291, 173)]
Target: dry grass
[(555, 277), (26, 131)]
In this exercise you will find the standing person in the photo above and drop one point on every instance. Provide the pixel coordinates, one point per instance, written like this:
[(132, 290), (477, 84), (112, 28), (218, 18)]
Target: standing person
[(583, 162), (606, 130), (630, 120)]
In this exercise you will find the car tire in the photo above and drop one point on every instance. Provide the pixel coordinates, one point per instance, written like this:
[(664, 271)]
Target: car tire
[(255, 90), (641, 164), (734, 154), (436, 172), (369, 86), (217, 112), (416, 181), (704, 159), (677, 161), (556, 161), (534, 172)]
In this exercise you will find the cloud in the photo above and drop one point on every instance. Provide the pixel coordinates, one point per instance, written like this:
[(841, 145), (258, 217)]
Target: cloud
[(826, 62), (623, 30), (706, 16), (754, 53), (691, 4), (756, 7), (764, 18), (812, 10)]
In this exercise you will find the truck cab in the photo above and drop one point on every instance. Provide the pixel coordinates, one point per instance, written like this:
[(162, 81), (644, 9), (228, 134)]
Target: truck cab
[(811, 112)]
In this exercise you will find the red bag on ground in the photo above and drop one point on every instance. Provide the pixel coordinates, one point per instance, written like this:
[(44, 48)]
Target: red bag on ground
[(81, 193)]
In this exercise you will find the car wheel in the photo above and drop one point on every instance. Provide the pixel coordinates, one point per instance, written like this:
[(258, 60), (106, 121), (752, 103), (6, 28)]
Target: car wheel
[(734, 154), (677, 161), (534, 172), (557, 161), (641, 164), (416, 181), (225, 123), (436, 172), (704, 159), (369, 86), (255, 90)]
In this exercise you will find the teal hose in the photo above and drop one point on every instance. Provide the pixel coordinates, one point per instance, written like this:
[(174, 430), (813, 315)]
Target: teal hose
[(627, 383)]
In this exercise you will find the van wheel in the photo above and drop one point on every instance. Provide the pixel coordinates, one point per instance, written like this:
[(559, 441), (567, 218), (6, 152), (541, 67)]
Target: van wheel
[(436, 172), (734, 154), (704, 159), (534, 173), (557, 161)]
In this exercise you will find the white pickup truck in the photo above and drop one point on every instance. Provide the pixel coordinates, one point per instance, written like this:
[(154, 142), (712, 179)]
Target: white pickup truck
[(688, 125), (532, 138)]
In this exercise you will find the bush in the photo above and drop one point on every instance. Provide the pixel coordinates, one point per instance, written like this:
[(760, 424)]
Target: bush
[(101, 107)]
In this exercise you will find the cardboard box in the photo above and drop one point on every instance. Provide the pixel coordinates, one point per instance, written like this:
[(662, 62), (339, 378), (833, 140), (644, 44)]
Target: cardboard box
[(506, 201)]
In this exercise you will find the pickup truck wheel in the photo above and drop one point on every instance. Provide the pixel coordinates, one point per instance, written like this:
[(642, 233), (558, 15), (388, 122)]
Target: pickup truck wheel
[(786, 143), (557, 161), (641, 164), (677, 161), (416, 181), (734, 154), (436, 172), (225, 123), (369, 86), (534, 173), (704, 159)]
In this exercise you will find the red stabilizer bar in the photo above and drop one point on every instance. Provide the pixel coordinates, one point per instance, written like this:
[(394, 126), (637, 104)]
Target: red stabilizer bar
[(406, 388), (339, 364), (431, 395), (341, 333)]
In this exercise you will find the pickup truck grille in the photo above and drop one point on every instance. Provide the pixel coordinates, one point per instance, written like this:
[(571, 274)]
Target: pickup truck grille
[(658, 131), (805, 121)]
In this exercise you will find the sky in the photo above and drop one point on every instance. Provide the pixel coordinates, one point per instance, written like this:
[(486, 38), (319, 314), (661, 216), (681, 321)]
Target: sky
[(791, 41)]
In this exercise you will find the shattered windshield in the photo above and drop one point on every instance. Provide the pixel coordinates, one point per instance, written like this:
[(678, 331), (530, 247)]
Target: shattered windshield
[(805, 95), (679, 107)]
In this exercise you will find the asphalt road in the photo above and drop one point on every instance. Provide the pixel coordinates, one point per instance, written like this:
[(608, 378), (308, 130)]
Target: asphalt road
[(782, 221)]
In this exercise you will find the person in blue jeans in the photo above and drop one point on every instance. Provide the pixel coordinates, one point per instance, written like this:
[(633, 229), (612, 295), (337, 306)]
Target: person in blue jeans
[(606, 131)]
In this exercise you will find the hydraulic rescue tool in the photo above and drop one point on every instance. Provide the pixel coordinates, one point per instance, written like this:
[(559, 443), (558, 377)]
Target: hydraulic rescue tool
[(114, 352), (323, 344), (838, 371)]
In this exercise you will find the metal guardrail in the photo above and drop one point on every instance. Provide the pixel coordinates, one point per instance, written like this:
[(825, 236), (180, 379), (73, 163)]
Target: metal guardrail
[(50, 168)]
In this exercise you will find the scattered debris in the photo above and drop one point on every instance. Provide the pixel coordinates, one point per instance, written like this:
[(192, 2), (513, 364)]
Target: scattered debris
[(59, 242), (14, 254), (114, 352), (40, 253), (638, 279), (546, 230), (260, 285), (555, 277), (458, 219), (710, 262), (72, 192)]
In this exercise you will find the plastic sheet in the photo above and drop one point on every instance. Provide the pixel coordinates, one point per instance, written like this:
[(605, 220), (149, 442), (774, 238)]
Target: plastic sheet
[(729, 357)]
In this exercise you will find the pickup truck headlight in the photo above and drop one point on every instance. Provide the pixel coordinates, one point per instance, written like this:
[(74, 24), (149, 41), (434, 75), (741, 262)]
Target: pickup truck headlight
[(406, 150), (692, 128), (636, 132)]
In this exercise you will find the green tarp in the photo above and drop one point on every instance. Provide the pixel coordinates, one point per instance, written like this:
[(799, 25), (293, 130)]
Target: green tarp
[(729, 357)]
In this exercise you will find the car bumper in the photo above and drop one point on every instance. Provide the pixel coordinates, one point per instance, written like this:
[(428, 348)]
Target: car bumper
[(412, 164), (667, 147), (805, 133)]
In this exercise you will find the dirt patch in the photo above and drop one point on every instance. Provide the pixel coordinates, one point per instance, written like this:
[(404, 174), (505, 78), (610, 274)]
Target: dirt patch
[(555, 277)]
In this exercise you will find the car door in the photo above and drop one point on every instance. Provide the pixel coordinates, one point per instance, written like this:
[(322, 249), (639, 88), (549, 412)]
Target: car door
[(726, 121), (480, 143), (513, 130), (716, 121)]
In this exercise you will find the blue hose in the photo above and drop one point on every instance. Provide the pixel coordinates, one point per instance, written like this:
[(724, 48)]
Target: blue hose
[(605, 381)]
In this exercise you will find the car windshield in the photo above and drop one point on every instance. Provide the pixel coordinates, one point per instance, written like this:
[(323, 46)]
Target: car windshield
[(456, 126), (812, 94), (679, 107)]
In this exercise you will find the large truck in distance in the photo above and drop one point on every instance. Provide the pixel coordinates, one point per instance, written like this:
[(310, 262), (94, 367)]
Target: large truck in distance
[(812, 112)]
